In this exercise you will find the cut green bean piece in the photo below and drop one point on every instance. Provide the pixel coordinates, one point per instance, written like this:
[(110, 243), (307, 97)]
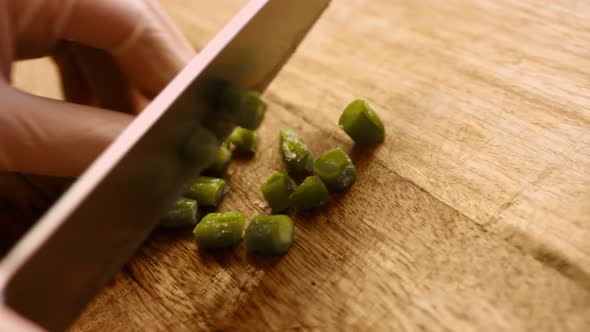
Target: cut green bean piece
[(310, 194), (362, 124), (276, 191), (200, 147), (219, 230), (206, 190), (245, 106), (297, 156), (222, 159), (244, 140), (269, 235), (183, 214), (335, 169)]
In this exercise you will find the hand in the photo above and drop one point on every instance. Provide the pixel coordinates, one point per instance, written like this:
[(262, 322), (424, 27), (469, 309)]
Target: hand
[(12, 321), (107, 51)]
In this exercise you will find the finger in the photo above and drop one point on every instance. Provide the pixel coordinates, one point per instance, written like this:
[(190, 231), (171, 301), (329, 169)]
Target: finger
[(140, 99), (150, 51), (19, 193), (52, 137), (20, 206), (14, 223), (92, 77), (109, 85), (49, 187), (6, 42), (73, 81), (10, 320)]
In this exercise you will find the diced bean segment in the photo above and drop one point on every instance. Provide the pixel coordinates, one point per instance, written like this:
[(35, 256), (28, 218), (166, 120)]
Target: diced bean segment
[(199, 148), (183, 214), (245, 106), (310, 194), (269, 235), (297, 156), (219, 230), (362, 124), (244, 140), (206, 190), (276, 191), (335, 169), (219, 123), (222, 159)]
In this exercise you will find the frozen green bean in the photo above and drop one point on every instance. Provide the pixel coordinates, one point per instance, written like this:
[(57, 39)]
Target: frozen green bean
[(276, 191), (335, 169), (199, 148), (206, 190), (269, 235), (362, 124), (219, 230), (310, 194), (222, 159), (244, 140), (183, 214), (297, 156), (245, 106)]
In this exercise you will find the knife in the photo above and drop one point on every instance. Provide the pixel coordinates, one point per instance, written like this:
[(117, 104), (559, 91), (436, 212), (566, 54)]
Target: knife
[(97, 225)]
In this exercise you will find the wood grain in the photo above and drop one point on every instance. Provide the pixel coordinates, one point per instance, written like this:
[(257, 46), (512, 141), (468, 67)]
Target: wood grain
[(473, 215)]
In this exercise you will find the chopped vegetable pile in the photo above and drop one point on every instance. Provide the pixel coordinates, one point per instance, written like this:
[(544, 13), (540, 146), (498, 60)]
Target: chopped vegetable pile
[(332, 172)]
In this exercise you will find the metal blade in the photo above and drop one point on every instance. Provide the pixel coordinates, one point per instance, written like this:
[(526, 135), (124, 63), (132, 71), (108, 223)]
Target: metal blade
[(89, 234)]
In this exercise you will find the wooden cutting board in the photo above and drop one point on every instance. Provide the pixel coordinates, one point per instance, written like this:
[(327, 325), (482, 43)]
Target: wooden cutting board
[(473, 215)]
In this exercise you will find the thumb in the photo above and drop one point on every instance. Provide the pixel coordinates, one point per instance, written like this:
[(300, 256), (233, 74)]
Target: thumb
[(44, 136), (140, 36)]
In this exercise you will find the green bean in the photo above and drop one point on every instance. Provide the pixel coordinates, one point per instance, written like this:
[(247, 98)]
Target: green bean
[(219, 230), (269, 235), (276, 191), (244, 140), (222, 159), (362, 124), (335, 169), (200, 147), (245, 106), (311, 193), (206, 190), (297, 156), (183, 214)]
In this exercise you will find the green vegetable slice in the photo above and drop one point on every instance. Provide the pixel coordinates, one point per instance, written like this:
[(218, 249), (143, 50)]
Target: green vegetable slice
[(276, 191), (245, 106), (200, 147), (310, 194), (222, 159), (297, 156), (362, 124), (335, 169), (183, 214), (206, 190), (269, 235), (244, 140), (219, 230)]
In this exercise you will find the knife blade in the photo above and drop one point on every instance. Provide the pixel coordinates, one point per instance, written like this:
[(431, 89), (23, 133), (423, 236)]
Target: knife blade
[(96, 226)]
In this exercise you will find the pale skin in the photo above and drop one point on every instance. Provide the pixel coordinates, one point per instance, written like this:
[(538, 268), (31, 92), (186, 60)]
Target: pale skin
[(111, 55)]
